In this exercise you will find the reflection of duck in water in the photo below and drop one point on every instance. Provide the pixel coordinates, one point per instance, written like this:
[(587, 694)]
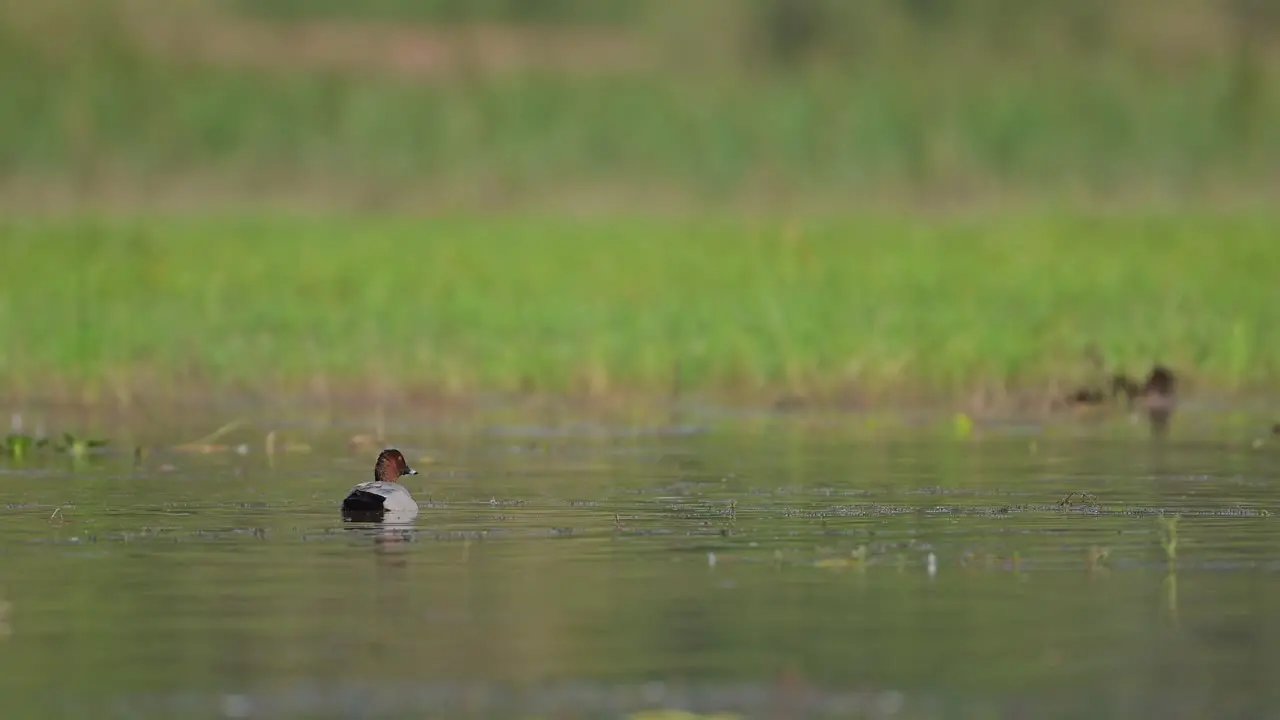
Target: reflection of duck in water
[(383, 498)]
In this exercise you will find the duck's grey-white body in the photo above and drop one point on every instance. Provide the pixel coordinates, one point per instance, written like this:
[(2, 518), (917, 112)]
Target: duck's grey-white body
[(388, 496)]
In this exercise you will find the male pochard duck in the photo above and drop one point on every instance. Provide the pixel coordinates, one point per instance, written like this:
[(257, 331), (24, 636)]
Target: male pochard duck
[(383, 497)]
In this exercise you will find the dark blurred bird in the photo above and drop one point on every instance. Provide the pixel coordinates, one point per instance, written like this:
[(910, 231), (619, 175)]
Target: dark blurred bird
[(1155, 396)]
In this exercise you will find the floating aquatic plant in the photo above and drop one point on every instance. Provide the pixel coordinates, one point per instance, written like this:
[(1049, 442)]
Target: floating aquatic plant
[(1087, 500), (857, 559), (18, 447), (79, 447)]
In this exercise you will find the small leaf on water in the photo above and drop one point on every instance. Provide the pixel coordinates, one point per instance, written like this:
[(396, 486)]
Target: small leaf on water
[(201, 448), (680, 715)]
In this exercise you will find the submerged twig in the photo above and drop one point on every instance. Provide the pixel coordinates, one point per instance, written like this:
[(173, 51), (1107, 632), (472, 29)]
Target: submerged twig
[(270, 444), (1169, 538), (208, 439), (1088, 498)]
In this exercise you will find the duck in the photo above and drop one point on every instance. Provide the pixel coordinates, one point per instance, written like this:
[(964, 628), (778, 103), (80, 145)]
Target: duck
[(383, 497), (1156, 396), (1157, 390)]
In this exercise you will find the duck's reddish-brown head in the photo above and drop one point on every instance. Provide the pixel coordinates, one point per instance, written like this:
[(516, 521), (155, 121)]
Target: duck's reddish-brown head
[(391, 466)]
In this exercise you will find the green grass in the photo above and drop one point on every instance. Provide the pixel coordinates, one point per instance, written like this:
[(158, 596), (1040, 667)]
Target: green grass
[(935, 113), (870, 305)]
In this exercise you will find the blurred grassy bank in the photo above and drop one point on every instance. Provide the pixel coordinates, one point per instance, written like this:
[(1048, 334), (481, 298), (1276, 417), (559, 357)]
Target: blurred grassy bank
[(850, 308), (769, 105), (752, 110)]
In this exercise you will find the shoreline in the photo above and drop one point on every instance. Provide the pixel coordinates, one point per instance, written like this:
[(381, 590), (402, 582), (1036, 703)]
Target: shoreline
[(978, 401)]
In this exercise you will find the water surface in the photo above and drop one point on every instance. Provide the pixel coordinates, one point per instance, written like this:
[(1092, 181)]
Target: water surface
[(772, 569)]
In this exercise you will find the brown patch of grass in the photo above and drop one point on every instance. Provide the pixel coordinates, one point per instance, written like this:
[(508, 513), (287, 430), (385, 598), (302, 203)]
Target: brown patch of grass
[(205, 34), (123, 192), (147, 391)]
